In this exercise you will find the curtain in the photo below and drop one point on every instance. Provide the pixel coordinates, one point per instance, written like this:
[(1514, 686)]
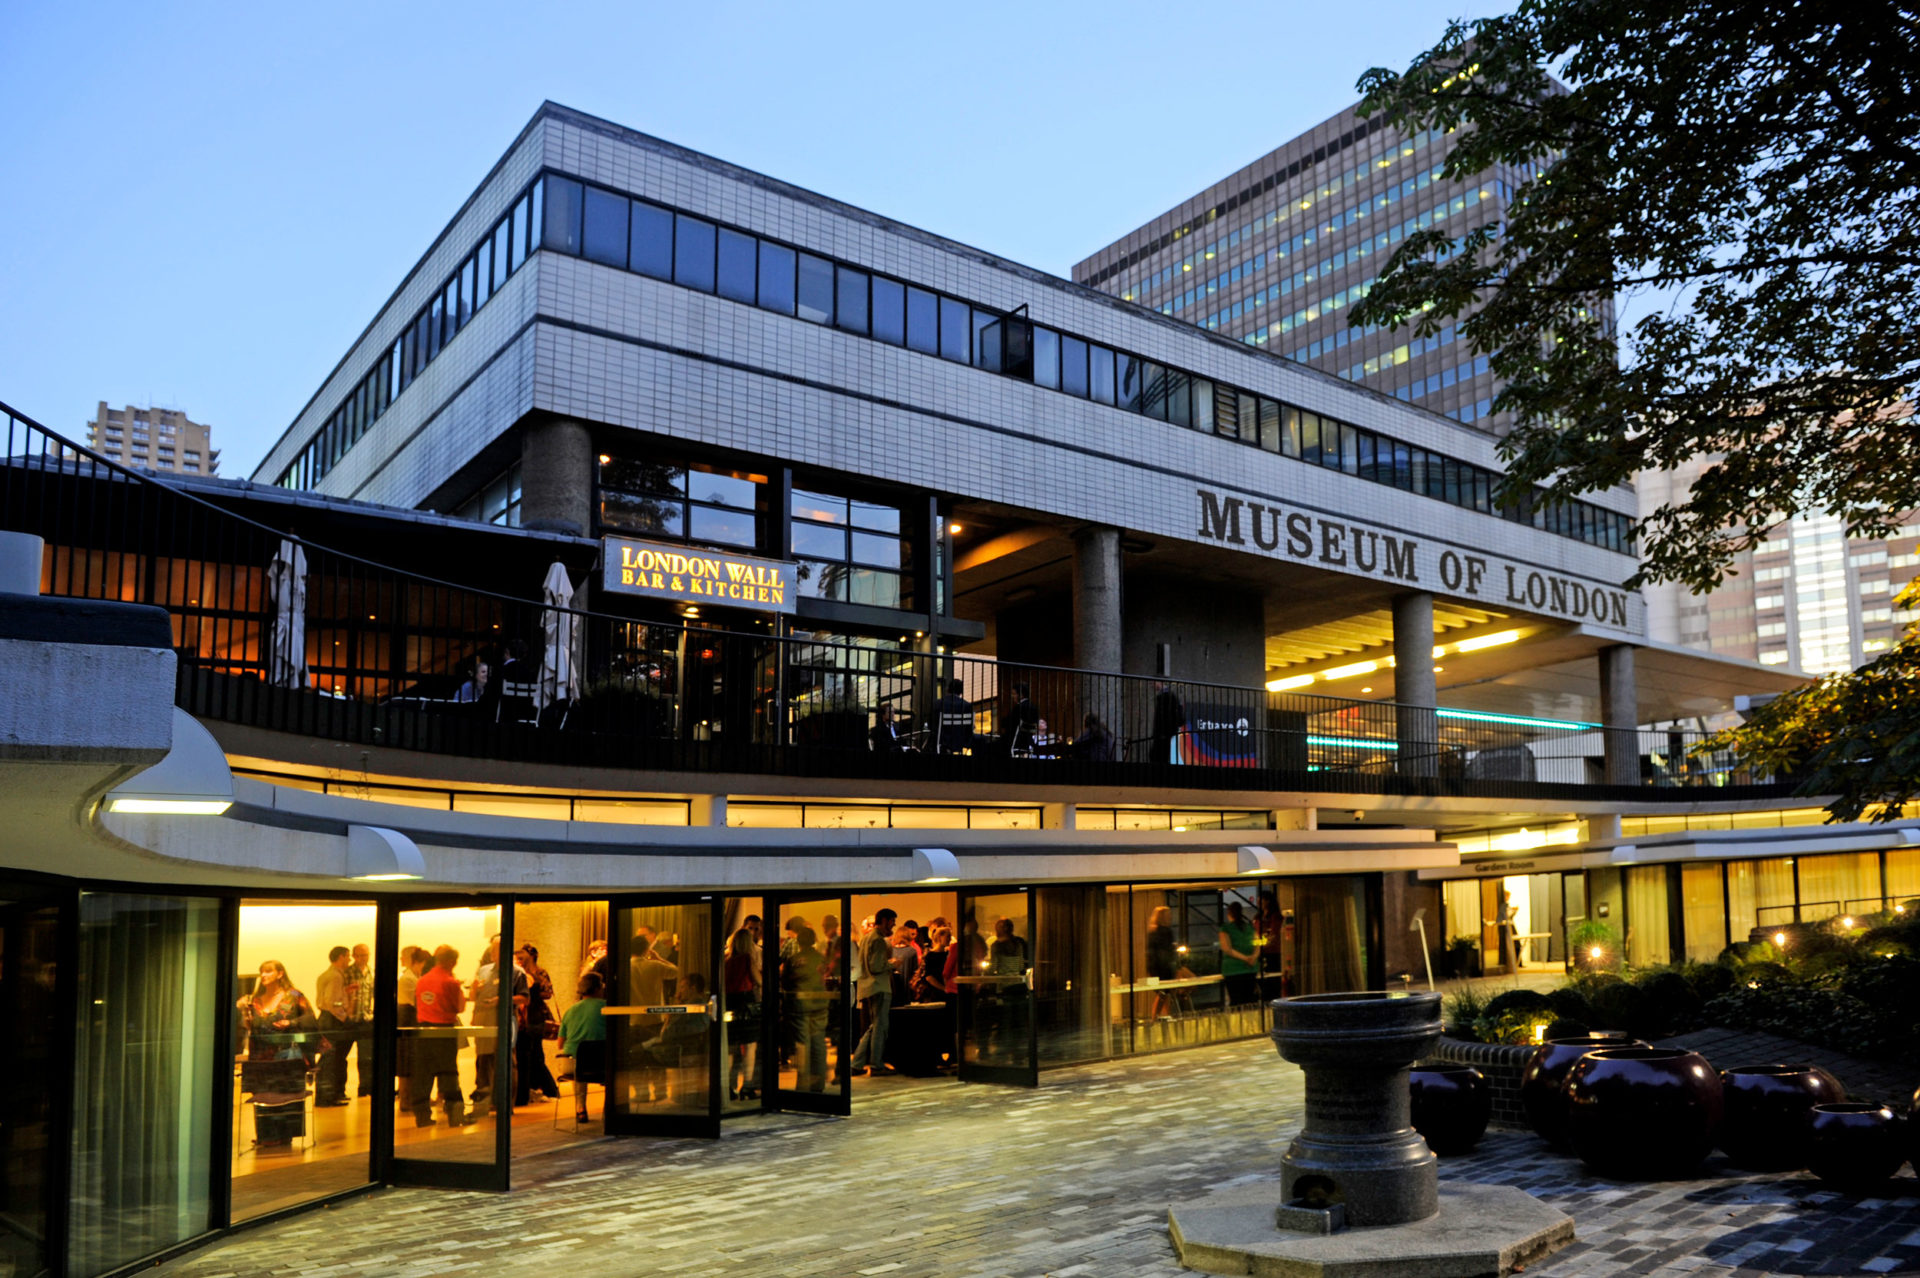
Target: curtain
[(1903, 876), (1704, 911), (1842, 883), (143, 1076), (1070, 972), (1332, 950), (1649, 933)]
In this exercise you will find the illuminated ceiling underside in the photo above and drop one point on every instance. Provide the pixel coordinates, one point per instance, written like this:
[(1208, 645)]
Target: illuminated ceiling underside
[(1363, 631)]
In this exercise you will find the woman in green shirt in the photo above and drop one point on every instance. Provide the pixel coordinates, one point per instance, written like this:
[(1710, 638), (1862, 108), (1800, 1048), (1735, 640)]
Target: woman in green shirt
[(583, 1036), (1237, 959)]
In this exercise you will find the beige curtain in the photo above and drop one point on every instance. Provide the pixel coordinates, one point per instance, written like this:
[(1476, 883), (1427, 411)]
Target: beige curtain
[(1648, 932)]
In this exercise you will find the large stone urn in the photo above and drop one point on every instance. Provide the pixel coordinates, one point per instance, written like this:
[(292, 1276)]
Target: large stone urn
[(1358, 1150)]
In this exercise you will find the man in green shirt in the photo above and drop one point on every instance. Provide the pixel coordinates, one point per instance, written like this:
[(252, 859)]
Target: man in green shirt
[(1238, 962)]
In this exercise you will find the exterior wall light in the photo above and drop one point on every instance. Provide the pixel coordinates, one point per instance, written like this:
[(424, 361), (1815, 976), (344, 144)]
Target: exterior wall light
[(1253, 860), (934, 865), (193, 780), (1596, 953), (377, 855), (1780, 939)]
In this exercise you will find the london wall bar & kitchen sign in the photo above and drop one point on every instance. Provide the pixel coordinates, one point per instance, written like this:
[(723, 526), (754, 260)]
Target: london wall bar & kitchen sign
[(696, 575)]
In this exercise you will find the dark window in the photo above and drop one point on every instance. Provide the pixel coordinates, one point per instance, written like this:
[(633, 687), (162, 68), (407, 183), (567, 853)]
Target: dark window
[(956, 331), (818, 542), (1452, 472), (1100, 373), (483, 275), (717, 489), (1369, 462), (1402, 466), (517, 233), (1246, 411), (1073, 366), (1270, 425), (693, 252), (739, 258), (728, 527), (466, 292), (652, 241), (562, 215), (1310, 440), (1153, 389), (502, 254), (605, 237), (534, 216), (1436, 477), (983, 321), (1126, 381), (1046, 357), (890, 311), (450, 307), (436, 325), (816, 289), (1202, 394), (776, 278), (1179, 398), (923, 321), (850, 302)]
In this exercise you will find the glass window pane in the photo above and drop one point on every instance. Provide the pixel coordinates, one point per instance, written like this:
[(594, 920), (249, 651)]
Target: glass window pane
[(727, 527), (1203, 418), (739, 263), (466, 292), (890, 310), (534, 216), (723, 490), (822, 581), (1247, 413), (819, 542), (562, 215), (143, 1076), (1369, 464), (651, 245), (923, 321), (1402, 465), (1153, 389), (816, 289), (605, 238), (693, 247), (877, 518), (1179, 398), (642, 512), (1126, 381), (517, 233), (1310, 438), (956, 331), (876, 549), (483, 281), (876, 589), (819, 506), (1100, 373), (1046, 357), (776, 278), (451, 309), (850, 302), (1073, 366), (501, 255), (1270, 425), (436, 324), (986, 353)]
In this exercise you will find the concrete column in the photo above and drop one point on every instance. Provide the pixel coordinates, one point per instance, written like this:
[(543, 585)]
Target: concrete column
[(1096, 599), (1620, 715), (1296, 818), (21, 555), (1415, 726), (1059, 816), (556, 478), (707, 809)]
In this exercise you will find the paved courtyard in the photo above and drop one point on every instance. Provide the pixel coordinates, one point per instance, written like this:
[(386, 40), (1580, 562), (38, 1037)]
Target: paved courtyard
[(1074, 1178)]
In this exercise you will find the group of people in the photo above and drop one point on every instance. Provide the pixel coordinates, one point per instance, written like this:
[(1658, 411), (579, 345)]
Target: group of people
[(1024, 733), (284, 1033)]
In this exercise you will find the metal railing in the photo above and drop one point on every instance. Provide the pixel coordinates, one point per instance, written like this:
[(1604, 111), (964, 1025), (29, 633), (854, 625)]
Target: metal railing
[(279, 632)]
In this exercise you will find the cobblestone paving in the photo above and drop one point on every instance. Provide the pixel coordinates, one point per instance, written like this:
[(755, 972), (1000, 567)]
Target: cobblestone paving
[(1072, 1179)]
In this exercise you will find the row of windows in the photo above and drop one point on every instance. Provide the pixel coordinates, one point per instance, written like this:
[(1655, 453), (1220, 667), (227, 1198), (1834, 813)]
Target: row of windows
[(586, 221), (503, 251), (1439, 381), (1293, 208)]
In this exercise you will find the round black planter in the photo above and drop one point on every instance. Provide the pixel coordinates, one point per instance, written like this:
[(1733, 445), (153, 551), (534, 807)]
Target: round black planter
[(1854, 1145), (1642, 1113), (1540, 1095), (1451, 1106), (1768, 1113)]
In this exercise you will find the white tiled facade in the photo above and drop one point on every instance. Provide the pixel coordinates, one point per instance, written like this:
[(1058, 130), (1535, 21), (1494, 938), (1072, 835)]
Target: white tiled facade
[(603, 345)]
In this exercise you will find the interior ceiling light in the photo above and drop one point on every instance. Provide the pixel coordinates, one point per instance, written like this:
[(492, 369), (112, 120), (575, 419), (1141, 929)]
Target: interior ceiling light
[(1493, 640), (1347, 672), (1289, 683), (953, 530)]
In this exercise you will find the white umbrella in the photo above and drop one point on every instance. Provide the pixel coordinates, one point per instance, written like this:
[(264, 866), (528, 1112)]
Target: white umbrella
[(560, 659), (287, 593)]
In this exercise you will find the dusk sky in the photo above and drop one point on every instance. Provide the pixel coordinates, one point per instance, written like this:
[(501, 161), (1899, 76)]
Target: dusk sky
[(208, 204)]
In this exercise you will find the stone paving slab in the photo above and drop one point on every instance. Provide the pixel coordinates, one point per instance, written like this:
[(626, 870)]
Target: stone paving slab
[(1074, 1178)]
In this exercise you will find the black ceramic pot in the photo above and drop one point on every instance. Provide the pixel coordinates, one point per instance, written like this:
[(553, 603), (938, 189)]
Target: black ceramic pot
[(1451, 1106), (1540, 1096), (1768, 1113), (1854, 1145), (1642, 1113)]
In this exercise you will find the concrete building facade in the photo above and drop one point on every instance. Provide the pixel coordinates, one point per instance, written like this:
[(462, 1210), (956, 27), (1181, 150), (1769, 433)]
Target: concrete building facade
[(159, 439)]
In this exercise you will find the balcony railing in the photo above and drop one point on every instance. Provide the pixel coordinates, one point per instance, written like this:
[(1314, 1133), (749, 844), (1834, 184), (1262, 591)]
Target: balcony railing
[(283, 633)]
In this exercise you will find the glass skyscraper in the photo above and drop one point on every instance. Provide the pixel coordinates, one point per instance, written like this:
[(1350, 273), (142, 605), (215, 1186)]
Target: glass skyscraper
[(1275, 254)]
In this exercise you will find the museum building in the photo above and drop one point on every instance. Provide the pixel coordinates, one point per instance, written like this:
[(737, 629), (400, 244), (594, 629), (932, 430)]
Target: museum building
[(682, 569)]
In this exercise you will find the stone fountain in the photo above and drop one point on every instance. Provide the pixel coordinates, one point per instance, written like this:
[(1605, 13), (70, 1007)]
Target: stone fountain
[(1359, 1191)]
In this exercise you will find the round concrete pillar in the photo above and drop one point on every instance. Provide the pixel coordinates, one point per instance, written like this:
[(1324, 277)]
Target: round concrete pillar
[(1096, 599), (556, 478), (20, 558)]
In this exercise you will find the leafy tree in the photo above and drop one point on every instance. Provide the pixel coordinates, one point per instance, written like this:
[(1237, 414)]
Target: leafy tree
[(1754, 167)]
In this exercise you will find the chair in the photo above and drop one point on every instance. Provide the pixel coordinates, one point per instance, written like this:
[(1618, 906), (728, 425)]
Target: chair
[(517, 702), (564, 1119)]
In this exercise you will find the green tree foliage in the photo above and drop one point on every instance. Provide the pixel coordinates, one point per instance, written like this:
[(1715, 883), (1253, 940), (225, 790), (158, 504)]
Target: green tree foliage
[(1755, 166)]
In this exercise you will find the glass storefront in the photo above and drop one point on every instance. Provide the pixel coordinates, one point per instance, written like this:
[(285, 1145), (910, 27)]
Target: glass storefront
[(143, 1085), (29, 1000), (446, 1036)]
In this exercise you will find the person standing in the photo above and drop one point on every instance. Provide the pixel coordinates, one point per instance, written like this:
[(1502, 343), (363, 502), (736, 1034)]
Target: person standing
[(1169, 719), (833, 949), (1023, 722), (276, 1021), (438, 1002), (955, 719), (1239, 964), (533, 1006), (484, 997), (336, 1000), (803, 1003), (360, 981), (874, 968), (1163, 957)]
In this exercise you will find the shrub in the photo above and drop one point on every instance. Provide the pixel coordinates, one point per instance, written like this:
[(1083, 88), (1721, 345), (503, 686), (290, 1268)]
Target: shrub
[(1523, 1002), (1564, 1028), (1667, 1002), (1619, 1006), (1572, 1005), (1459, 1013), (1709, 980)]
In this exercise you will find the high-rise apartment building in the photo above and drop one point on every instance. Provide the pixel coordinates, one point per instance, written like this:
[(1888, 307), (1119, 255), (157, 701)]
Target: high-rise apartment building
[(1809, 597), (1275, 254), (153, 439)]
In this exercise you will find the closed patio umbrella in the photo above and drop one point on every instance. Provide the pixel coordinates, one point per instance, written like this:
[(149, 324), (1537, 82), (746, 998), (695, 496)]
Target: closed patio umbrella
[(560, 658), (287, 594)]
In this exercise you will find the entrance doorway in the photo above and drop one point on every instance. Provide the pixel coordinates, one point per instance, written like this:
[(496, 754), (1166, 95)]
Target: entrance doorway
[(558, 975)]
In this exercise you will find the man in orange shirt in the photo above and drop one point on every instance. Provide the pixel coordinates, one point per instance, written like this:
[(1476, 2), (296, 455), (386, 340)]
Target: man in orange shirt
[(438, 1001)]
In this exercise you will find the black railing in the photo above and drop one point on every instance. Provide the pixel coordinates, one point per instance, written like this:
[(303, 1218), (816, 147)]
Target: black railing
[(279, 632)]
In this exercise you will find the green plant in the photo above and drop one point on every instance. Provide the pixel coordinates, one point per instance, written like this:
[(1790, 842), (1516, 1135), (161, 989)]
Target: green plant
[(1595, 945), (1460, 1012), (1570, 1004), (1520, 1002)]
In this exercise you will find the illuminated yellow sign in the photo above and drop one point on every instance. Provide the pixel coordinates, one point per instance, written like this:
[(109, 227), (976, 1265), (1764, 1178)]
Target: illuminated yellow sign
[(695, 575)]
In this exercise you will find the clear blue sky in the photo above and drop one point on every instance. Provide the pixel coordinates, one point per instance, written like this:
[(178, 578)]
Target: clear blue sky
[(205, 204)]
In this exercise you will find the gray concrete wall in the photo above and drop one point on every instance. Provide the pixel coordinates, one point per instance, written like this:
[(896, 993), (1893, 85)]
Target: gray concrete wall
[(1218, 636)]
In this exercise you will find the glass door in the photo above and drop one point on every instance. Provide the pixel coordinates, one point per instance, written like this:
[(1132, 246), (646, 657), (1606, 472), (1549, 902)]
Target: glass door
[(663, 1017), (809, 1017), (995, 988), (438, 961)]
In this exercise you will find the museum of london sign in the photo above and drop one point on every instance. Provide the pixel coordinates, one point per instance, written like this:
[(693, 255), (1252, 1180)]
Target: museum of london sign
[(1348, 546), (697, 575)]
